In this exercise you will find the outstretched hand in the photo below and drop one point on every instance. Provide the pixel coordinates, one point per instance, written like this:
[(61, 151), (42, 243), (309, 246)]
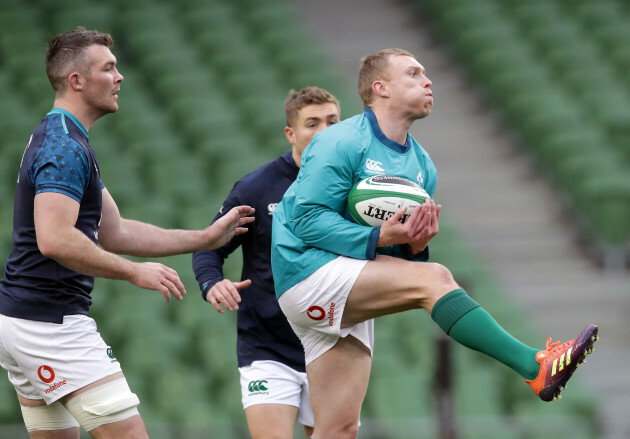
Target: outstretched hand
[(226, 293), (419, 228), (159, 277), (225, 228)]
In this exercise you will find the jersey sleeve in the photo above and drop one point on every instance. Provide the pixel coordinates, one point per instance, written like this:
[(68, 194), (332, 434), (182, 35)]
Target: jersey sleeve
[(208, 264), (402, 251), (63, 169), (321, 194)]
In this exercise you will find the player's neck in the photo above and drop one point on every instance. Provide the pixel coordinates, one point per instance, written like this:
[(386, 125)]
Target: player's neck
[(392, 125), (297, 157), (77, 110)]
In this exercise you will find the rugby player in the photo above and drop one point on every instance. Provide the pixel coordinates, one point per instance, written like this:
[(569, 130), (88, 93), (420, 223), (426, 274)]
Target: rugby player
[(67, 230), (274, 386), (334, 276)]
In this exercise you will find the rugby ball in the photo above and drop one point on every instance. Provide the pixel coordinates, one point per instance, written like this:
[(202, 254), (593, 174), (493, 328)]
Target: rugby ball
[(374, 200)]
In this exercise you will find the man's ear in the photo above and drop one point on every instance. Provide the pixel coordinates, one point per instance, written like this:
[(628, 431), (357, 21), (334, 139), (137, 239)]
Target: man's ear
[(288, 132), (380, 89), (75, 81)]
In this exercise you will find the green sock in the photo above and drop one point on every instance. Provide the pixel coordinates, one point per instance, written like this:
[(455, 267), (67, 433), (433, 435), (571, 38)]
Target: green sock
[(470, 325)]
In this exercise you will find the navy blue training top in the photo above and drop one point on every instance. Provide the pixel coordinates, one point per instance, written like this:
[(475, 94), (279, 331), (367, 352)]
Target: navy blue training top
[(263, 331), (57, 158)]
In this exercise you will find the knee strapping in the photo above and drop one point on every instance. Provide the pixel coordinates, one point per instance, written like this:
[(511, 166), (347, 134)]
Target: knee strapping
[(48, 417), (105, 404)]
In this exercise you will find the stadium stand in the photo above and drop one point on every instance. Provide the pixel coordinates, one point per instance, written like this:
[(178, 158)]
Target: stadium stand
[(555, 70)]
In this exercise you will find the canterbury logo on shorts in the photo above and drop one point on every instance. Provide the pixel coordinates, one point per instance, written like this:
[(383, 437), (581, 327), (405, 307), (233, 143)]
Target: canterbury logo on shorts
[(257, 386)]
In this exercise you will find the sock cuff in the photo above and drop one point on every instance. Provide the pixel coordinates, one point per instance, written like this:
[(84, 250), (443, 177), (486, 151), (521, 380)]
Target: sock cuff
[(451, 307)]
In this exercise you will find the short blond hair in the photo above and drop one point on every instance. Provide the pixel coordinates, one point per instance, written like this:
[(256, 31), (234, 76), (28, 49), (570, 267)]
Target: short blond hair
[(296, 100), (373, 67)]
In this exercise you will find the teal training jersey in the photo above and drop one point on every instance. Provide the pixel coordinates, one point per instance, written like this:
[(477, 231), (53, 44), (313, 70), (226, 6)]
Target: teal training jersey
[(312, 224)]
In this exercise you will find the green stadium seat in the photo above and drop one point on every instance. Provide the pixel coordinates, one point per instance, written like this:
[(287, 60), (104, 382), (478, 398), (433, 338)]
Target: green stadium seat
[(98, 16), (609, 196), (578, 165)]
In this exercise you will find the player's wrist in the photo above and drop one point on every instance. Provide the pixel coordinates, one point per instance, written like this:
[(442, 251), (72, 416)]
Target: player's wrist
[(416, 249), (385, 238)]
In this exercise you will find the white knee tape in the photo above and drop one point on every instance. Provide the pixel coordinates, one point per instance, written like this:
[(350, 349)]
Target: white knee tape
[(110, 402), (48, 417)]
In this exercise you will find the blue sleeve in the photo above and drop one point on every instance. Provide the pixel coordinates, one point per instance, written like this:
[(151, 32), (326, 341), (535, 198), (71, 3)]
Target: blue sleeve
[(321, 193), (63, 170), (208, 264)]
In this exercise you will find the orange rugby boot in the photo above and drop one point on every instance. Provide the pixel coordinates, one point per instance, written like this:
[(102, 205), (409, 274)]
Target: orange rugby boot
[(559, 361)]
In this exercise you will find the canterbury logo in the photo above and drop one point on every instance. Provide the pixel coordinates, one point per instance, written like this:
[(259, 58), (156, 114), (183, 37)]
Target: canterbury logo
[(271, 207), (373, 166), (560, 364), (257, 386)]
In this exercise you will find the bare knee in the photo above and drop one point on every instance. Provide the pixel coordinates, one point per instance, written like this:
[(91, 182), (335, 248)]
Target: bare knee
[(437, 282), (348, 430), (443, 276)]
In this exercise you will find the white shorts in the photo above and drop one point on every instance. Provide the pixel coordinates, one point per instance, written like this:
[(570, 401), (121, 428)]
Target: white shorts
[(271, 382), (315, 305), (49, 360)]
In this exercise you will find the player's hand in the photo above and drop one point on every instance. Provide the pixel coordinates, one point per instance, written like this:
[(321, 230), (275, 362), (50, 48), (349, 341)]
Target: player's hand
[(225, 228), (412, 230), (427, 226), (226, 293), (155, 276)]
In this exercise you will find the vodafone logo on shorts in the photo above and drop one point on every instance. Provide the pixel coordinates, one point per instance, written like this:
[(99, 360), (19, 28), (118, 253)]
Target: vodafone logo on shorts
[(317, 313), (46, 374)]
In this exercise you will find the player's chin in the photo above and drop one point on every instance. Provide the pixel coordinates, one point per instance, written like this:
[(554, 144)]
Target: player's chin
[(112, 107), (423, 115), (108, 109)]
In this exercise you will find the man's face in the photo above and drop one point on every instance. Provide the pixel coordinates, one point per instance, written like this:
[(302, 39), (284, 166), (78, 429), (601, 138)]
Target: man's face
[(103, 81), (310, 120), (409, 88)]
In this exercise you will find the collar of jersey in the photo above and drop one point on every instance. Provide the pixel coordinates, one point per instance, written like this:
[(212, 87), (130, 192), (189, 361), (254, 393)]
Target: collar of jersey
[(288, 159), (66, 113), (382, 138)]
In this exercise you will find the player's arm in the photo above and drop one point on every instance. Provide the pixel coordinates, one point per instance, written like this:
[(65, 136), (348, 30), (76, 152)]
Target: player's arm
[(208, 266), (55, 216), (320, 198), (125, 236)]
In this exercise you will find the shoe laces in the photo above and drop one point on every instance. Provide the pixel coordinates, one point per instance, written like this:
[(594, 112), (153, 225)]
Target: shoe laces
[(555, 347)]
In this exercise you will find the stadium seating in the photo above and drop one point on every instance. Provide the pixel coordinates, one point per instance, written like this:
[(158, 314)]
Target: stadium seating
[(557, 70)]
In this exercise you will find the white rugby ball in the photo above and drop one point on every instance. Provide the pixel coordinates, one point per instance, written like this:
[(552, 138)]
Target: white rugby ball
[(374, 200)]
